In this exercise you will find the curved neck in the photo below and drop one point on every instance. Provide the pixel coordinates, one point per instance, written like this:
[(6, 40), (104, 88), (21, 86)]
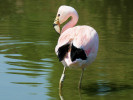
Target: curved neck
[(71, 23)]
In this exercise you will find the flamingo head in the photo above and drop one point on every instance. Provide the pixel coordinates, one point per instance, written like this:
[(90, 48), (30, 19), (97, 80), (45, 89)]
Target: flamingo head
[(64, 12), (56, 24)]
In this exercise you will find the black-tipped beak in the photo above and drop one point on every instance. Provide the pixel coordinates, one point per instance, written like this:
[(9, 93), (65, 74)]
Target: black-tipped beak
[(56, 24)]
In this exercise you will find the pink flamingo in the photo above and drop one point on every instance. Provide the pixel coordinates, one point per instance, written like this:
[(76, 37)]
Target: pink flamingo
[(77, 45)]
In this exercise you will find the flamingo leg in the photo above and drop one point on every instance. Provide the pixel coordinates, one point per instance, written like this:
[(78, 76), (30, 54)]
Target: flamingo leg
[(62, 78), (81, 78)]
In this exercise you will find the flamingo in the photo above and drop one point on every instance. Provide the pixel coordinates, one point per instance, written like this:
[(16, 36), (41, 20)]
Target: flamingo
[(77, 46)]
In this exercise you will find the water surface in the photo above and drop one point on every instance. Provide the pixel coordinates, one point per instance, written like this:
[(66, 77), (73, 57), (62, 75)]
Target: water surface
[(29, 68)]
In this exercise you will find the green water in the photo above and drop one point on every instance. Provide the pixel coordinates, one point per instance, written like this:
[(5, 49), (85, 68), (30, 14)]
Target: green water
[(29, 68)]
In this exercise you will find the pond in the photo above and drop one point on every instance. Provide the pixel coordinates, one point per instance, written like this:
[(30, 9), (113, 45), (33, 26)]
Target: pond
[(29, 67)]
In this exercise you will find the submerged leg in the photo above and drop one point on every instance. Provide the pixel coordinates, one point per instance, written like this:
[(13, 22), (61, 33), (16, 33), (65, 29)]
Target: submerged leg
[(81, 78), (62, 79)]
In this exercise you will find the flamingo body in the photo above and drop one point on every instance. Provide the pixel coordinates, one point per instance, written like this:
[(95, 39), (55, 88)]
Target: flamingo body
[(83, 37)]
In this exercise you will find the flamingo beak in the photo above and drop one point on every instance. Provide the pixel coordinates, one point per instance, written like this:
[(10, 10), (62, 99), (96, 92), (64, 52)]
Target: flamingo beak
[(56, 25)]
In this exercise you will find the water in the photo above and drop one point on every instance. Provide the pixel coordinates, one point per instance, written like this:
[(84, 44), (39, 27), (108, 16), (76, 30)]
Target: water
[(29, 68)]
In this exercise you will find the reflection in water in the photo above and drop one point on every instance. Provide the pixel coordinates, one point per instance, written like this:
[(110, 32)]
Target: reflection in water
[(61, 96), (29, 67), (100, 88), (105, 88)]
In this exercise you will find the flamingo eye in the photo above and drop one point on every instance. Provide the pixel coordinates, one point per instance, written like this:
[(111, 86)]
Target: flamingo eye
[(58, 15)]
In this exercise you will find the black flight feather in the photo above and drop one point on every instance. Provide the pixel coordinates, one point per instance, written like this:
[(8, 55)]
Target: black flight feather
[(77, 53), (62, 51)]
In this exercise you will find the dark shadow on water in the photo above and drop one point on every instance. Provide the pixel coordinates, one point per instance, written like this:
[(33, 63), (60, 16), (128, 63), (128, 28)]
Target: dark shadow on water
[(104, 88), (99, 89)]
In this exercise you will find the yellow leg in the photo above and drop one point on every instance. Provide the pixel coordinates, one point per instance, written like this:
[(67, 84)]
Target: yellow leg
[(81, 78), (62, 79)]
